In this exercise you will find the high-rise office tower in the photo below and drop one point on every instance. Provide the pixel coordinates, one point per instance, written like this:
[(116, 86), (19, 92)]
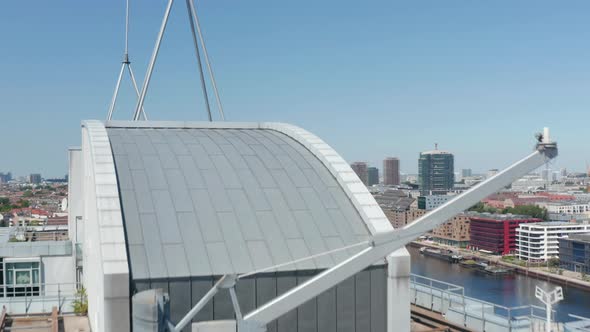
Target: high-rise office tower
[(35, 178), (391, 172), (373, 174), (545, 174), (436, 172), (360, 168)]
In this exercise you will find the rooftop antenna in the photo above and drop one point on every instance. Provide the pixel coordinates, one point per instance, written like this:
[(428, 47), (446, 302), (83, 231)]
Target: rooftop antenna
[(436, 146), (126, 63), (194, 24)]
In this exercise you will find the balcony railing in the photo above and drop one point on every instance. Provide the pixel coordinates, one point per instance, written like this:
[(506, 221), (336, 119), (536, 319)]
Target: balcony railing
[(38, 298)]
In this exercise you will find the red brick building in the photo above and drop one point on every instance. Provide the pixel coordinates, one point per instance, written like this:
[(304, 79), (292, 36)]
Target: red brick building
[(496, 232)]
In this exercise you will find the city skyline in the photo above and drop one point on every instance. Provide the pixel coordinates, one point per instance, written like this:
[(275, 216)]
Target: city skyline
[(485, 68), (382, 166)]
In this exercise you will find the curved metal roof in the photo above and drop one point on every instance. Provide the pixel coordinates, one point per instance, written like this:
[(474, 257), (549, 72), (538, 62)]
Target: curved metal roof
[(206, 199)]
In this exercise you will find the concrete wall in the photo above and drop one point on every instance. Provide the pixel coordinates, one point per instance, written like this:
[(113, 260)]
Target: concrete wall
[(59, 270), (106, 272), (75, 203)]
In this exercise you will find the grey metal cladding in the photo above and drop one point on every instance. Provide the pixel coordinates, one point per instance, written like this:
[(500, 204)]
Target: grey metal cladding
[(260, 254), (166, 217), (307, 313), (248, 221), (282, 213), (238, 251), (300, 250), (363, 300), (194, 242), (346, 307), (176, 260), (139, 266), (167, 158), (312, 237), (199, 288), (141, 191), (327, 311), (180, 300), (246, 292), (288, 321), (134, 232), (181, 197), (199, 202), (275, 240), (206, 215), (266, 290), (153, 246), (228, 174), (378, 300), (219, 259), (191, 174)]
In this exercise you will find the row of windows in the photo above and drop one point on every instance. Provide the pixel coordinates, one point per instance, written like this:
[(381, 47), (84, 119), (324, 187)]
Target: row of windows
[(19, 277)]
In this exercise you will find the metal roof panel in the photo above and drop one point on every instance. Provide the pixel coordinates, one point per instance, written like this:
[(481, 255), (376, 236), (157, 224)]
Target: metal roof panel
[(210, 201)]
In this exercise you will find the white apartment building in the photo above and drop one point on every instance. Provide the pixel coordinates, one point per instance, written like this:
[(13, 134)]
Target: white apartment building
[(539, 241), (566, 207)]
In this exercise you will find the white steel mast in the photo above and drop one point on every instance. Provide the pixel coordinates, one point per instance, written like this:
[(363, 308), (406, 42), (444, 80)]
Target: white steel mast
[(126, 63), (194, 25)]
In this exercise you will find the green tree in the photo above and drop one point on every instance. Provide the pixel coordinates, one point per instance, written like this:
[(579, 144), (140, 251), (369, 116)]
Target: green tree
[(481, 208), (528, 210), (23, 203), (80, 304), (28, 193), (553, 262)]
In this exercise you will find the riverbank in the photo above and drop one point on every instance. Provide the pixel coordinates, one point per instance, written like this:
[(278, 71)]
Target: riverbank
[(527, 271)]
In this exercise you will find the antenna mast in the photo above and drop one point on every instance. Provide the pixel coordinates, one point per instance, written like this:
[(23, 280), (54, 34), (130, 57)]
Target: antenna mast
[(197, 37), (126, 63)]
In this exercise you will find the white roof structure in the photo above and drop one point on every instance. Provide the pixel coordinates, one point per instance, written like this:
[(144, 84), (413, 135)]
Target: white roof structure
[(176, 200)]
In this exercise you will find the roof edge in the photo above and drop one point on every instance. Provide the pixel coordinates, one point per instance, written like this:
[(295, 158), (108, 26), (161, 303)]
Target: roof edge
[(108, 214), (370, 212)]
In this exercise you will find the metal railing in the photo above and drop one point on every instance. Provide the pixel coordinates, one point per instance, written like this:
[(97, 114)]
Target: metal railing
[(40, 298), (450, 301)]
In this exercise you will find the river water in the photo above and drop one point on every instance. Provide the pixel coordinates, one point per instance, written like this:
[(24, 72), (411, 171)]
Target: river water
[(510, 290)]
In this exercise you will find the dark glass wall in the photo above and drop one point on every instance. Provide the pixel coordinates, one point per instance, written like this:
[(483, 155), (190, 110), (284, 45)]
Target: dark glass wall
[(358, 304)]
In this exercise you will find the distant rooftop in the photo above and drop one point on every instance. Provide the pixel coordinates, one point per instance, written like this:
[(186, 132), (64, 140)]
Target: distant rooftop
[(496, 216), (580, 237), (435, 152), (554, 223)]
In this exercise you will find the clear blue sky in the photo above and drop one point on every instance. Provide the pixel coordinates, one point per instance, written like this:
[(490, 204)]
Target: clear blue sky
[(372, 78)]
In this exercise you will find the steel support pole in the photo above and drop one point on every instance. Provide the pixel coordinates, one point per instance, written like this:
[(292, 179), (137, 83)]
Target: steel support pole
[(227, 281), (135, 88), (206, 54), (548, 309), (114, 100), (150, 70), (191, 19), (387, 242)]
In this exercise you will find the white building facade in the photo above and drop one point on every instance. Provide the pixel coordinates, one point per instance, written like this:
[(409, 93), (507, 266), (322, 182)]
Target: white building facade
[(540, 241), (567, 207), (112, 276)]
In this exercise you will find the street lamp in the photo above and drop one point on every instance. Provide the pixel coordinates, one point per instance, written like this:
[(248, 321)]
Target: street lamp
[(549, 299)]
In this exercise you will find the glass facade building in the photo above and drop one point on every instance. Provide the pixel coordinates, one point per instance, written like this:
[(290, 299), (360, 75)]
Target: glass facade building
[(373, 174), (436, 172), (574, 253)]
